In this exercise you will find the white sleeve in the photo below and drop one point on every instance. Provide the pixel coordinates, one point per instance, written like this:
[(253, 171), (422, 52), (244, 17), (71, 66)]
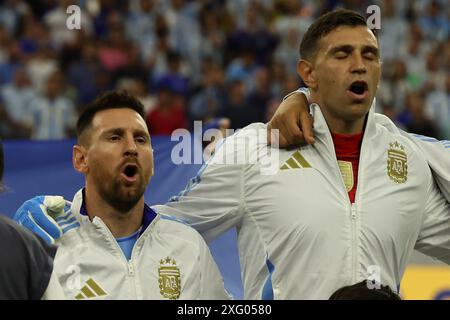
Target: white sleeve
[(212, 285), (437, 154), (54, 290), (302, 90), (434, 236), (213, 201)]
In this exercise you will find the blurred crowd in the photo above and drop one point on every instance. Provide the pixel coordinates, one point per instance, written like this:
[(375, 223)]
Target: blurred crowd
[(203, 60)]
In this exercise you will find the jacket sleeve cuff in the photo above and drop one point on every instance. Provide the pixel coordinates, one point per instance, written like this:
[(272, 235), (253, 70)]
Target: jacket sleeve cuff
[(304, 91)]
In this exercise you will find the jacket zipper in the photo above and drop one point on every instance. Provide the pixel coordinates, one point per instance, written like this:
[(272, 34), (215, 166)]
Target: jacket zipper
[(353, 213), (129, 263), (353, 217), (130, 268)]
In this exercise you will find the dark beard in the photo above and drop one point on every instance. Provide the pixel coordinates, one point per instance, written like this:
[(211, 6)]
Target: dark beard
[(119, 198)]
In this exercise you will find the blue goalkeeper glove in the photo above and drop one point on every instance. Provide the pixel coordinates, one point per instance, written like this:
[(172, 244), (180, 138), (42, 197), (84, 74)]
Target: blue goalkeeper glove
[(47, 216)]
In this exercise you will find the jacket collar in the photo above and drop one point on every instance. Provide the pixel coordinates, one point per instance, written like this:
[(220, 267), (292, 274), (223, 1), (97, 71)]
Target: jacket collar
[(80, 210), (322, 132)]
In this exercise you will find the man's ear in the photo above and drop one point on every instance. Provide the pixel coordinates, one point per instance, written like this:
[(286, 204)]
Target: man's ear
[(79, 158), (305, 70)]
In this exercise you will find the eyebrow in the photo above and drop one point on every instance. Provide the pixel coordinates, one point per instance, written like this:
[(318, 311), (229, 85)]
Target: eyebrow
[(349, 48), (120, 131)]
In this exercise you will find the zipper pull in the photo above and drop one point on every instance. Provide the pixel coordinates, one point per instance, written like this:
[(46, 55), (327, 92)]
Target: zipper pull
[(130, 268), (353, 212)]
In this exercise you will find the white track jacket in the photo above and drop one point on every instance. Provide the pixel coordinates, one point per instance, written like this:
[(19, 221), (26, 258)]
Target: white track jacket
[(169, 261), (299, 237)]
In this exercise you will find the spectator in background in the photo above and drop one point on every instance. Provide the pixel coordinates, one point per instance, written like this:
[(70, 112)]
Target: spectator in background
[(184, 31), (166, 116), (434, 76), (82, 73), (136, 39), (40, 67), (5, 42), (137, 88), (53, 114), (237, 108), (287, 51), (438, 109), (290, 25), (207, 103), (260, 96), (396, 85), (253, 39), (415, 119), (140, 26), (277, 77), (10, 57), (113, 53), (213, 33), (133, 68), (56, 20), (413, 53), (157, 57), (392, 34), (242, 68), (174, 74), (11, 13), (17, 98), (433, 21), (289, 83)]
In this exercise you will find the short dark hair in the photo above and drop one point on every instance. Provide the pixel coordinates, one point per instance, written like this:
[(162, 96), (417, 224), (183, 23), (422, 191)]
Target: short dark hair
[(324, 25), (361, 291), (116, 99)]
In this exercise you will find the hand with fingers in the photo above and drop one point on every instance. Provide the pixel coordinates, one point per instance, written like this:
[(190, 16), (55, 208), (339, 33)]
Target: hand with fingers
[(47, 216), (293, 121)]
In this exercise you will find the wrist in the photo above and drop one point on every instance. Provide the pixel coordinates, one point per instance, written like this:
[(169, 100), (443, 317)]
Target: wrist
[(304, 92)]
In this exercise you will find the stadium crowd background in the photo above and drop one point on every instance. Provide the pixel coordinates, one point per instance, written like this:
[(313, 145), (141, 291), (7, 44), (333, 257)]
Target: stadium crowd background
[(199, 60)]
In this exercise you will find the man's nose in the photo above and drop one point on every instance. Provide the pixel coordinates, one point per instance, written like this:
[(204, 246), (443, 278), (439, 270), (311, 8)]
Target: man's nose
[(130, 148), (358, 65)]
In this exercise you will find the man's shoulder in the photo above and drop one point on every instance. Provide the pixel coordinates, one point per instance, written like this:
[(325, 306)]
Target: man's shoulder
[(175, 228), (393, 134), (26, 262), (12, 234), (386, 126), (247, 140)]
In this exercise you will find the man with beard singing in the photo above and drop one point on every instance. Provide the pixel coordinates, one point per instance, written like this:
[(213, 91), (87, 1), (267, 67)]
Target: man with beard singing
[(122, 249)]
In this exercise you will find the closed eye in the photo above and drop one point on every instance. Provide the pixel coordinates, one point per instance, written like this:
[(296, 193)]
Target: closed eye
[(370, 56), (141, 140), (341, 55), (114, 138)]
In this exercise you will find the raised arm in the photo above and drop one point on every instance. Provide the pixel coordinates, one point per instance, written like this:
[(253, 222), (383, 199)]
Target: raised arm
[(293, 120)]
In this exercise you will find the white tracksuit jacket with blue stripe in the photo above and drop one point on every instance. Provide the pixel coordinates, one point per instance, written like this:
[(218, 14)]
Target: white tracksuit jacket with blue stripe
[(169, 261), (299, 237)]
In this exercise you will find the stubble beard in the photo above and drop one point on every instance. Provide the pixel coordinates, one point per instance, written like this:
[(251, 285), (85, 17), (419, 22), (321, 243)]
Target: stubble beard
[(121, 197)]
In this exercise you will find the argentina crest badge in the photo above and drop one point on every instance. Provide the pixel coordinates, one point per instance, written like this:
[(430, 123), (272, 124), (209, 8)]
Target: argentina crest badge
[(169, 278), (397, 163)]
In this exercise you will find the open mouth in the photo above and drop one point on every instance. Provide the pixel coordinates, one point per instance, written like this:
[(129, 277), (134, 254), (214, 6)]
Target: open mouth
[(130, 172), (358, 89)]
